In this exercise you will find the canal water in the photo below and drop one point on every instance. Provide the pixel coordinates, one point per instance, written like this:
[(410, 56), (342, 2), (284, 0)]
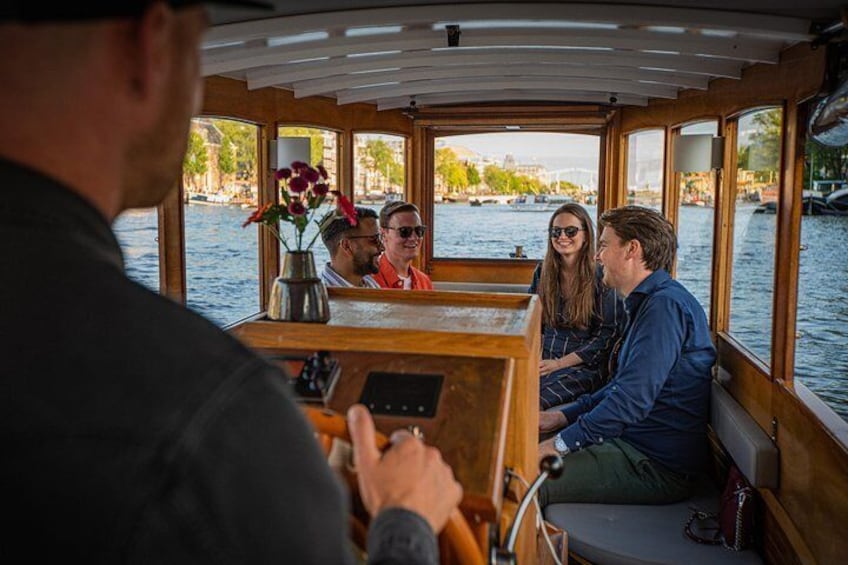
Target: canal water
[(222, 271)]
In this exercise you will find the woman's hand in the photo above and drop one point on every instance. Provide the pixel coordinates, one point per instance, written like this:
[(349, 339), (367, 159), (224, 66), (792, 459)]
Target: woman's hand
[(547, 366)]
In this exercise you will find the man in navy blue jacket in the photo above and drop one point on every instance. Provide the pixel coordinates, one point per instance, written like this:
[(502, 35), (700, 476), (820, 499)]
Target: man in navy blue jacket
[(641, 438)]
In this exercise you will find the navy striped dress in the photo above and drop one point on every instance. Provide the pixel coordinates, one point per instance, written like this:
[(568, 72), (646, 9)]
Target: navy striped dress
[(593, 345)]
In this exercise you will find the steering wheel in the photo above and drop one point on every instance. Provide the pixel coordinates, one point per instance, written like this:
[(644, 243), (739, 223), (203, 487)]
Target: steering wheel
[(457, 534)]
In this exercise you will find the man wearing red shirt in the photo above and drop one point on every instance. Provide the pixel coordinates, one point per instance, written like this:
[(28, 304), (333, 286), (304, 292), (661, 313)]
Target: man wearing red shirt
[(400, 224)]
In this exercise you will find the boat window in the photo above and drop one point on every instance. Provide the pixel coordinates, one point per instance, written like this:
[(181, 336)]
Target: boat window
[(138, 233), (495, 192), (323, 150), (220, 181), (695, 222), (645, 163), (758, 149), (821, 358), (379, 170)]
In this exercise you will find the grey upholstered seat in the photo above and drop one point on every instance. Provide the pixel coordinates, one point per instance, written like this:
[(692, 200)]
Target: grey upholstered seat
[(635, 534)]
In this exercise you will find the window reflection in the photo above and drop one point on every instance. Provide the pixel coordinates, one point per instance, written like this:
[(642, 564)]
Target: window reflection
[(754, 227), (821, 358), (379, 171), (220, 180), (495, 192), (695, 223), (645, 163), (323, 150)]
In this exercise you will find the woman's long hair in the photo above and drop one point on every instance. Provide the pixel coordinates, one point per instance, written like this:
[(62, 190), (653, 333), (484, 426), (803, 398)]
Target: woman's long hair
[(579, 305)]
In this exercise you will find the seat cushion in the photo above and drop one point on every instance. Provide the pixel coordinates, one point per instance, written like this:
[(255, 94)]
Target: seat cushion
[(630, 534)]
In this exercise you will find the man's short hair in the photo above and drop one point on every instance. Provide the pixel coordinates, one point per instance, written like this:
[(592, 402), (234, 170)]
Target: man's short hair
[(78, 11), (653, 232), (335, 225), (393, 208)]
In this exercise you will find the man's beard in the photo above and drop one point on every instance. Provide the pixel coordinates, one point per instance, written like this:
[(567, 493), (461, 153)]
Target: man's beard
[(367, 267)]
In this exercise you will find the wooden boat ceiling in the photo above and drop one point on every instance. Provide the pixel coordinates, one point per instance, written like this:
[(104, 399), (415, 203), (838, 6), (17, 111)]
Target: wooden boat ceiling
[(388, 53)]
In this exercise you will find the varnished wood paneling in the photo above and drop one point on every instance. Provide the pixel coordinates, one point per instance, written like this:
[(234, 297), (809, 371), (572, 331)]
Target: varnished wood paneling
[(516, 271), (172, 277), (787, 247)]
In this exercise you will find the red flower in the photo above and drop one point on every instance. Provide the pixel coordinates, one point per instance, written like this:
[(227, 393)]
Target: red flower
[(323, 172), (296, 208), (298, 166), (311, 175), (320, 189), (256, 217), (298, 184), (346, 208), (282, 174)]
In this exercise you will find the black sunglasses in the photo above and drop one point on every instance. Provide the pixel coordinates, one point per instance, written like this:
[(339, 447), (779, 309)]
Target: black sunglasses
[(375, 239), (569, 232), (406, 231)]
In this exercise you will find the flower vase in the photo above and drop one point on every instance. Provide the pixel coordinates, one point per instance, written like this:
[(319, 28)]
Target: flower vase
[(298, 294)]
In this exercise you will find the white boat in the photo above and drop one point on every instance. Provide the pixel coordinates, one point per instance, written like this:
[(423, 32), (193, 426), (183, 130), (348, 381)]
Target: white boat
[(539, 202)]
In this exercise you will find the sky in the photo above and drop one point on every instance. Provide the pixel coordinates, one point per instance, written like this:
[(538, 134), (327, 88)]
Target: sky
[(554, 150)]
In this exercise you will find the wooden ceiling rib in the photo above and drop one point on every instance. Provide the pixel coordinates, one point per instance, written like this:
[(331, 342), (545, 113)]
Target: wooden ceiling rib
[(551, 52)]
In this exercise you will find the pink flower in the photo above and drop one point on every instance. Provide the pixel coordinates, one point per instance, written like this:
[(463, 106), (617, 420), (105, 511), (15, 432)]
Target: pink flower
[(296, 208), (282, 174), (311, 175), (323, 172), (298, 184), (320, 189), (346, 208)]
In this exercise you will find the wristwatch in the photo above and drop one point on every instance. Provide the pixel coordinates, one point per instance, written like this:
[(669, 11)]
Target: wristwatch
[(560, 446)]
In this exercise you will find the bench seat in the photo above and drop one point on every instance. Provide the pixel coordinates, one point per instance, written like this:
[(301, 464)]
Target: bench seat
[(619, 534), (481, 287)]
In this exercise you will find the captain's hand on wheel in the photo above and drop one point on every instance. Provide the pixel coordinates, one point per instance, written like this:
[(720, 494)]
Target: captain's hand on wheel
[(408, 475)]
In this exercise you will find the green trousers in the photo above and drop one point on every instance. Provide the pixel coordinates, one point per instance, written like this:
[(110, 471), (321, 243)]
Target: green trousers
[(614, 472)]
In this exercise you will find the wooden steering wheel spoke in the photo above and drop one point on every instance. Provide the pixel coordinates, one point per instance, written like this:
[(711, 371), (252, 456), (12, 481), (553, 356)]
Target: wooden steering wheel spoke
[(457, 534)]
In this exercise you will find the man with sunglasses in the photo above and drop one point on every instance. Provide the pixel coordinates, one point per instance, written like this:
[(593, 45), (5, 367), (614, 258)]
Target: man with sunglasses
[(133, 430), (354, 250), (403, 234)]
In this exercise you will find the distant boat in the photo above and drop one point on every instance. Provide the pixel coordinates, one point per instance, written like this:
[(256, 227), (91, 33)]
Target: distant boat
[(475, 202), (217, 199), (539, 202)]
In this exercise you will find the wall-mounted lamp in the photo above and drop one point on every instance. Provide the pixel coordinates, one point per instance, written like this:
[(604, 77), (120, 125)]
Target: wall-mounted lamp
[(697, 153), (453, 35)]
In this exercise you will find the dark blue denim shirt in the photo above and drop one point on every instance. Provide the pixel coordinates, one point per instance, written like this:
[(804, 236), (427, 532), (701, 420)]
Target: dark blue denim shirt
[(658, 398)]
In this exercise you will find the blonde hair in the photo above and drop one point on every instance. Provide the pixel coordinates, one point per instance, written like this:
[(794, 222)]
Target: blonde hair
[(579, 307)]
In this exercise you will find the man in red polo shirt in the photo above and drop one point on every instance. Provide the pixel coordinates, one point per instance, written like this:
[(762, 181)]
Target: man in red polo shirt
[(400, 224)]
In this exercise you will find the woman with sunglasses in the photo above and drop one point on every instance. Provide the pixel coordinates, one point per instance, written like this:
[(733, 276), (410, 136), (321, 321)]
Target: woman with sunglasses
[(581, 317)]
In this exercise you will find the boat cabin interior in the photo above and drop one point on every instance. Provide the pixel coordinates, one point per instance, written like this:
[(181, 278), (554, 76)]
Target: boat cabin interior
[(705, 111)]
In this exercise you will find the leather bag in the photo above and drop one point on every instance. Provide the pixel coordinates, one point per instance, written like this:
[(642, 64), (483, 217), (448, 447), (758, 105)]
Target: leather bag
[(733, 526)]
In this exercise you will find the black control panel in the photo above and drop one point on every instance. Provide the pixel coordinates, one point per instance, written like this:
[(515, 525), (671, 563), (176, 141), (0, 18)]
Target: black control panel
[(402, 394)]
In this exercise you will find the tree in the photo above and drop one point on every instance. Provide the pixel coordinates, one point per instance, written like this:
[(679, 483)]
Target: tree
[(196, 159), (825, 163), (226, 160), (764, 148), (242, 140), (497, 179), (450, 170), (472, 174), (380, 157)]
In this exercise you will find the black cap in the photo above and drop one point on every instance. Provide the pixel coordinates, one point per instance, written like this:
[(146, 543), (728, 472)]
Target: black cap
[(27, 11)]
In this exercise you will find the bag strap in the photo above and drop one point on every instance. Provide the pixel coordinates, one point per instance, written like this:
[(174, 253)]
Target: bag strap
[(699, 515)]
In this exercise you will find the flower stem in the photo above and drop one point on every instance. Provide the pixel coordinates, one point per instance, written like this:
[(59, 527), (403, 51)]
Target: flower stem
[(279, 237)]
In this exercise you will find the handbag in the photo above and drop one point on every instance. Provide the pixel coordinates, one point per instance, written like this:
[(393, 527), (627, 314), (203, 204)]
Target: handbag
[(733, 526)]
